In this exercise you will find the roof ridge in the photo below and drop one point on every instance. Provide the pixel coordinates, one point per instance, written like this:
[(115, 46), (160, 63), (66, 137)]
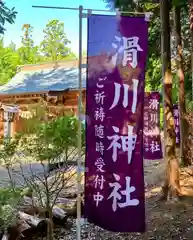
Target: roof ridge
[(42, 63), (70, 63)]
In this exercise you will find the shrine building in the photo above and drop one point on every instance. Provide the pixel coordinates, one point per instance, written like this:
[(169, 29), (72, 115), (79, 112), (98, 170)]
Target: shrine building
[(56, 84)]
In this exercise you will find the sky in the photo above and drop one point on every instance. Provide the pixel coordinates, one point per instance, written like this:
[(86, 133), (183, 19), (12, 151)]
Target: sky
[(38, 18)]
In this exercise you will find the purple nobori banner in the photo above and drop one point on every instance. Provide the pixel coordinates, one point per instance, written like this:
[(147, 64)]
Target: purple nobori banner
[(177, 122), (114, 182), (151, 131)]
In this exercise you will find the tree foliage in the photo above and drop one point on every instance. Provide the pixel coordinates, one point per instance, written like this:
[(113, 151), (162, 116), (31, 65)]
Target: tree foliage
[(153, 71), (55, 43), (6, 15), (46, 140), (27, 51), (53, 47), (9, 202), (9, 60), (52, 139)]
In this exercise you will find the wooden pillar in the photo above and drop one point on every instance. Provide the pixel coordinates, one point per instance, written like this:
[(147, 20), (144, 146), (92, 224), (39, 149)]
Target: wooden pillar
[(7, 125)]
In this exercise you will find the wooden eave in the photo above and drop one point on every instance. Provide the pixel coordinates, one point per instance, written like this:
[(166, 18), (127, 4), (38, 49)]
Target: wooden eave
[(29, 94), (36, 94), (54, 97)]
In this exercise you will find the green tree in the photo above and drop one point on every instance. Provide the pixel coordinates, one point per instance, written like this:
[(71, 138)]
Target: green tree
[(50, 142), (6, 15), (27, 40), (28, 52), (27, 43), (55, 43), (9, 61)]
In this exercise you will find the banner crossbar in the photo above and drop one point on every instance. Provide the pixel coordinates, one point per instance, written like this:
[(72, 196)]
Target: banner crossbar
[(87, 9)]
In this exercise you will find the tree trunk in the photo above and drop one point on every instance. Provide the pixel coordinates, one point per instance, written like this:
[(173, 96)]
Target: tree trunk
[(191, 33), (180, 72), (171, 186), (190, 3), (50, 227)]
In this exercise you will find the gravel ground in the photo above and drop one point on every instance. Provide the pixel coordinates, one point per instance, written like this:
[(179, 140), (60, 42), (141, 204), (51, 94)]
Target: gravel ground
[(165, 221)]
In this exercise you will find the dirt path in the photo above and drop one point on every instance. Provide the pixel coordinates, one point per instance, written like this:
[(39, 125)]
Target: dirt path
[(17, 173), (153, 171)]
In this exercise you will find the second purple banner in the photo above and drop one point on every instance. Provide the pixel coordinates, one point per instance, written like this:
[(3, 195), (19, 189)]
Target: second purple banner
[(177, 123), (152, 136)]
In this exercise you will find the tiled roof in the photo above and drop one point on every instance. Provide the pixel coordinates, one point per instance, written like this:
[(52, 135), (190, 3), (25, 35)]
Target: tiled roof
[(44, 77)]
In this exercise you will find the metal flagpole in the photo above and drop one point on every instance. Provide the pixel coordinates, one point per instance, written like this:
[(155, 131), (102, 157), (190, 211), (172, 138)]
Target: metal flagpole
[(163, 92), (78, 220)]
